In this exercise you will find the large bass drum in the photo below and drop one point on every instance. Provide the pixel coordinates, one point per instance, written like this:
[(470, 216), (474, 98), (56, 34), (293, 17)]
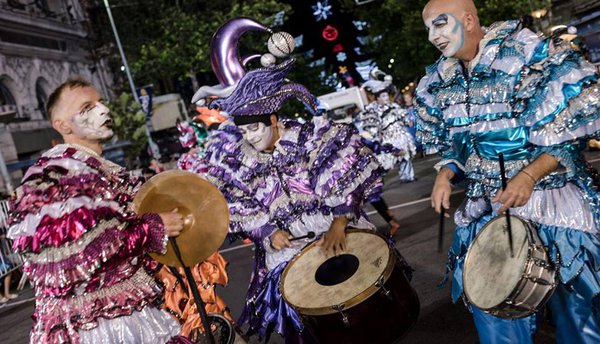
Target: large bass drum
[(505, 286), (361, 296)]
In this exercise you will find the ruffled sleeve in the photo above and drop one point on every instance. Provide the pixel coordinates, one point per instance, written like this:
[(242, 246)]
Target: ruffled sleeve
[(559, 96), (432, 130), (343, 171), (68, 225)]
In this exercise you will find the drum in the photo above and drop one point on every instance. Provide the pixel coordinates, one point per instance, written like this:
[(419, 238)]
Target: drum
[(505, 286), (359, 296)]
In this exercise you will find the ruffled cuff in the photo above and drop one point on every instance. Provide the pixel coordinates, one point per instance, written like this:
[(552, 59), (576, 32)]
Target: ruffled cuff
[(157, 233), (455, 166), (563, 154), (264, 232)]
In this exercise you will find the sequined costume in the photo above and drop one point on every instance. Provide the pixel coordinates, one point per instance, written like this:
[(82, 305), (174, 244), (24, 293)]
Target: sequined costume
[(85, 252), (178, 299), (318, 170), (384, 130), (522, 97)]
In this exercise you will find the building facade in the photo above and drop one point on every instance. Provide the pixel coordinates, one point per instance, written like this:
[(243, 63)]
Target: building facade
[(42, 43)]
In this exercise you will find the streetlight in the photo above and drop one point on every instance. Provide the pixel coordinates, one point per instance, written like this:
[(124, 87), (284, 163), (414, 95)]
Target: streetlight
[(125, 67)]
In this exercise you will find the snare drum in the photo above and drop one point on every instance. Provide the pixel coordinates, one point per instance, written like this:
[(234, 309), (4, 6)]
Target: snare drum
[(505, 286), (359, 296)]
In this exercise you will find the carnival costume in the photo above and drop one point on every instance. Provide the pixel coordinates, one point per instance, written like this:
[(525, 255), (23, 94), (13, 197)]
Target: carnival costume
[(85, 251), (522, 97), (178, 298), (317, 171), (383, 128)]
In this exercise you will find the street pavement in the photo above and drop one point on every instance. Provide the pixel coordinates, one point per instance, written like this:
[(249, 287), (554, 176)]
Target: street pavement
[(440, 320)]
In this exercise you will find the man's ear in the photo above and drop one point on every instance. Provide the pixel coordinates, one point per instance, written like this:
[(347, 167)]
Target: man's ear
[(469, 22), (62, 127)]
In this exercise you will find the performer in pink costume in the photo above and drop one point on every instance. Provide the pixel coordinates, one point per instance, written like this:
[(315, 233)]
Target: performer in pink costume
[(84, 248)]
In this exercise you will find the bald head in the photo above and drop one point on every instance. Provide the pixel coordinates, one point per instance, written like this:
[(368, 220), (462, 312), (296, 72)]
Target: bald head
[(456, 7), (453, 27)]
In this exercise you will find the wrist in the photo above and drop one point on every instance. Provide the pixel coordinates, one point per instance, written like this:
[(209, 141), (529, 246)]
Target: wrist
[(529, 176), (445, 174)]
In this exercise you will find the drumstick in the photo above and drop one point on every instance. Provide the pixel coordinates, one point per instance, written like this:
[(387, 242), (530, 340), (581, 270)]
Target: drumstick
[(195, 293), (308, 235), (508, 224), (441, 233)]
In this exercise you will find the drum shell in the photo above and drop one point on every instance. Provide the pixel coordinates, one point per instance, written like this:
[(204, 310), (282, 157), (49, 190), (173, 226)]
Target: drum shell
[(537, 283), (380, 318)]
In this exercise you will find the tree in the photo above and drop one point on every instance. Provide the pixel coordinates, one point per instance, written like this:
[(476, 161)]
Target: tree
[(405, 41), (129, 123), (169, 41)]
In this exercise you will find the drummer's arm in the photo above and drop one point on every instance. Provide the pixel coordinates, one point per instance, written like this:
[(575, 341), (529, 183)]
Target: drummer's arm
[(520, 187)]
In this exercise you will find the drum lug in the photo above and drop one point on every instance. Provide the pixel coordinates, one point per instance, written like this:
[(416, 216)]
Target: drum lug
[(384, 291), (340, 309)]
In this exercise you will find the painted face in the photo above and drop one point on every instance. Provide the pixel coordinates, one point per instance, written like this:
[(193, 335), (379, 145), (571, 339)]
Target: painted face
[(383, 98), (93, 122), (257, 134), (446, 33)]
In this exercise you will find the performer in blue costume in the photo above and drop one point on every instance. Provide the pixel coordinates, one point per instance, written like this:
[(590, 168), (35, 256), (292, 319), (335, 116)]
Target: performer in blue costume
[(507, 90), (281, 178)]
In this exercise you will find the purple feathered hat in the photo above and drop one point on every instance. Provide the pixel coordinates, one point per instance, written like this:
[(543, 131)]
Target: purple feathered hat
[(264, 91), (261, 91)]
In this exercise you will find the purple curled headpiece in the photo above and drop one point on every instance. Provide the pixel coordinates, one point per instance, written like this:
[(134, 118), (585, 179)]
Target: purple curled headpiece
[(263, 91)]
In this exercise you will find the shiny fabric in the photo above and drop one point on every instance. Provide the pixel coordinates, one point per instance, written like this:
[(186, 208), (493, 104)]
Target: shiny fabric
[(84, 248), (384, 129), (148, 326), (180, 303), (521, 96), (317, 171)]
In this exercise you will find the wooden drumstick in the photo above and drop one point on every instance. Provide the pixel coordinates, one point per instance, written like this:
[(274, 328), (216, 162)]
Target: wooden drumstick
[(195, 292), (441, 233), (308, 235), (508, 224)]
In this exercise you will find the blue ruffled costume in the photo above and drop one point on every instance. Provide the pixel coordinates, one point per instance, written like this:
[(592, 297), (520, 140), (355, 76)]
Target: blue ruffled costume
[(523, 97)]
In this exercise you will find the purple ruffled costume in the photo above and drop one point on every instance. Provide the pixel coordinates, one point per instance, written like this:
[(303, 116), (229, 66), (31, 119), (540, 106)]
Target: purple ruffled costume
[(318, 170)]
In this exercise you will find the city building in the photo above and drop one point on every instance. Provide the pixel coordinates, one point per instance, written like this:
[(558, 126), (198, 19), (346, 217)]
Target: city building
[(42, 43)]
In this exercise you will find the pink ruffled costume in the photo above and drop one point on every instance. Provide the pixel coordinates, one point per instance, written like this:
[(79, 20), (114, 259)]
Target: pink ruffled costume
[(85, 252)]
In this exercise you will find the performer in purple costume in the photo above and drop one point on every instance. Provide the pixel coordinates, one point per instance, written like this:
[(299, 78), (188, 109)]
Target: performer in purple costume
[(84, 248), (283, 179)]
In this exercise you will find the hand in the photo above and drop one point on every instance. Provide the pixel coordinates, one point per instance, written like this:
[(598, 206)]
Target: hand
[(517, 193), (280, 240), (335, 238), (173, 222), (400, 152), (440, 194)]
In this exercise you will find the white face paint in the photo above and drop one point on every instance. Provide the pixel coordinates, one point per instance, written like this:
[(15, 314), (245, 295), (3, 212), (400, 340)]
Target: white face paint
[(257, 134), (446, 32), (93, 123), (384, 98)]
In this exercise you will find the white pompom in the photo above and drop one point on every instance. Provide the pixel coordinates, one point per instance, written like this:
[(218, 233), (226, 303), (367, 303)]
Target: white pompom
[(267, 60), (281, 44), (572, 30), (388, 78)]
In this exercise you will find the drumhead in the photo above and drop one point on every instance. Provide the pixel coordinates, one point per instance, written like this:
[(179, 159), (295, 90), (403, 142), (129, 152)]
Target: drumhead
[(490, 274), (313, 283)]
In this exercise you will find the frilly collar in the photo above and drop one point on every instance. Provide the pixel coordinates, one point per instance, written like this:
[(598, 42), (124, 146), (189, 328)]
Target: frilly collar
[(449, 68)]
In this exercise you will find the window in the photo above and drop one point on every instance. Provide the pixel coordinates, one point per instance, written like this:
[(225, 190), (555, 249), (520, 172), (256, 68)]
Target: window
[(6, 97), (42, 97)]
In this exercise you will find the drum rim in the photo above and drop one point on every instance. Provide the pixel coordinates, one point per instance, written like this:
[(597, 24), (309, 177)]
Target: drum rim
[(490, 309), (387, 272)]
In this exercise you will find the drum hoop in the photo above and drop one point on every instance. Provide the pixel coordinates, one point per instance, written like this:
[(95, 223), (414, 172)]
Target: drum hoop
[(352, 301), (528, 224)]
